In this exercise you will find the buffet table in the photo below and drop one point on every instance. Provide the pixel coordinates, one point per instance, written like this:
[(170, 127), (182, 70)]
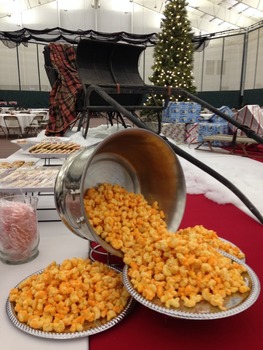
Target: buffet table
[(24, 119), (144, 328), (46, 205), (56, 244)]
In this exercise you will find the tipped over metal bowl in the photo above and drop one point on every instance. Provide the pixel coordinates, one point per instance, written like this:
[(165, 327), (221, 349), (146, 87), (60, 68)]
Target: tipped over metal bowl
[(137, 159)]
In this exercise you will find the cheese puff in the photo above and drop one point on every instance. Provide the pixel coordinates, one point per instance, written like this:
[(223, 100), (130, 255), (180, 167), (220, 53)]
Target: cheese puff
[(58, 326), (35, 322), (191, 300), (23, 316), (149, 291), (88, 315), (110, 315), (173, 302)]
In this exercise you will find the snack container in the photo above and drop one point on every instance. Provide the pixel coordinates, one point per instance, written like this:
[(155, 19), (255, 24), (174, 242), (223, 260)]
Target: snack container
[(136, 159), (19, 235)]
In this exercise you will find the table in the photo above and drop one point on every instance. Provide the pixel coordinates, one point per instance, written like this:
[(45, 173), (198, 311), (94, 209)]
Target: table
[(146, 329), (46, 205), (56, 243), (24, 119)]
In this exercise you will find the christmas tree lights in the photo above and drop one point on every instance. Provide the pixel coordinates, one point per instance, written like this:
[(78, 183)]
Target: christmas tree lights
[(173, 53)]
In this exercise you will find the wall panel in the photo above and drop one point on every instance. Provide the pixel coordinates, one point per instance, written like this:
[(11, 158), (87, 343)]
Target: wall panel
[(232, 62), (212, 66), (9, 78), (251, 63), (259, 67), (28, 67)]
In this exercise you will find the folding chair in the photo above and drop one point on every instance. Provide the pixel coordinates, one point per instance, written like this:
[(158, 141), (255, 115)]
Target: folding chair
[(12, 125), (35, 126), (2, 130)]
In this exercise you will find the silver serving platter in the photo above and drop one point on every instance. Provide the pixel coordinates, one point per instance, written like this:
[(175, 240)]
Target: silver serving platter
[(235, 304), (234, 245), (69, 335)]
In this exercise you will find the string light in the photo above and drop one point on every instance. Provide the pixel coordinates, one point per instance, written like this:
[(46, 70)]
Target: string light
[(173, 53)]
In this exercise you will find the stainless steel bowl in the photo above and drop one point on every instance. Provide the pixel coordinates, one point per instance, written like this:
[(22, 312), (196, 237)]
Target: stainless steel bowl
[(137, 159)]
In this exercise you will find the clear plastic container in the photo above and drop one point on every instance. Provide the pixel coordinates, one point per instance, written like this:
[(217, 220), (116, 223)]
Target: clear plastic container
[(19, 234)]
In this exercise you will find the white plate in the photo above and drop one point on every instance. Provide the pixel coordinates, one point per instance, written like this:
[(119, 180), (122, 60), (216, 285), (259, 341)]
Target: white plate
[(23, 143), (30, 141)]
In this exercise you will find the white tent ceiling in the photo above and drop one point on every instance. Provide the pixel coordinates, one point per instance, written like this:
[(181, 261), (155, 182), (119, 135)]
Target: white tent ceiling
[(206, 16), (212, 16)]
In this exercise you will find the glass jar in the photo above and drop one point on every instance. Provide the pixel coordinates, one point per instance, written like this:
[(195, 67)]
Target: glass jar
[(19, 234)]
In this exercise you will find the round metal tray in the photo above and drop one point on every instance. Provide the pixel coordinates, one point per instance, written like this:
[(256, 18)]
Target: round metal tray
[(69, 335), (235, 304)]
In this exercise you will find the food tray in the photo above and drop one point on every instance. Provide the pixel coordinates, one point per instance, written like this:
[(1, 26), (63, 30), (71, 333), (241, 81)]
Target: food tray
[(62, 336), (236, 303), (26, 143), (6, 164), (48, 155), (47, 149), (3, 172), (29, 179)]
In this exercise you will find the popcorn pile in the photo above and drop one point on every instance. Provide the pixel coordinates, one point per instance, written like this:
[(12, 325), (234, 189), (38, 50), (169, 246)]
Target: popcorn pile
[(70, 297), (182, 268)]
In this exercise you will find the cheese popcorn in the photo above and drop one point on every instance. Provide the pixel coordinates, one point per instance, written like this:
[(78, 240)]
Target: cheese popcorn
[(70, 297), (176, 269)]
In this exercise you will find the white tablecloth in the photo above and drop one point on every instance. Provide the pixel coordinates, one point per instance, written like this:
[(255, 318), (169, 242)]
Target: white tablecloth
[(56, 244), (24, 119)]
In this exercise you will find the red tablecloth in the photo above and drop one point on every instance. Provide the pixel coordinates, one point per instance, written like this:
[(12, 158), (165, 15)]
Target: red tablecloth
[(147, 329)]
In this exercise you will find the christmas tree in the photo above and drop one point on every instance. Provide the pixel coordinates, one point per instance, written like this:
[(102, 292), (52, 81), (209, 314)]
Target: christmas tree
[(173, 53)]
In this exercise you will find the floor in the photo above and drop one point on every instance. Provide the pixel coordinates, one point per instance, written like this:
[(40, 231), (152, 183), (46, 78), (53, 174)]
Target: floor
[(7, 147)]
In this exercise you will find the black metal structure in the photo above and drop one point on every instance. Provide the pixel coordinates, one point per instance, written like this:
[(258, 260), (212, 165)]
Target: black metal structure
[(113, 66), (52, 74), (112, 84)]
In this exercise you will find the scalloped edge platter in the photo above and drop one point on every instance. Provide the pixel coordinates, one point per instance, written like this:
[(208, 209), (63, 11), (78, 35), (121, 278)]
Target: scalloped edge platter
[(203, 310), (70, 335)]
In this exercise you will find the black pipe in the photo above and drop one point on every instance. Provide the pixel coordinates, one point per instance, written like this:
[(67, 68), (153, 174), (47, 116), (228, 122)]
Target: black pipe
[(176, 149)]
